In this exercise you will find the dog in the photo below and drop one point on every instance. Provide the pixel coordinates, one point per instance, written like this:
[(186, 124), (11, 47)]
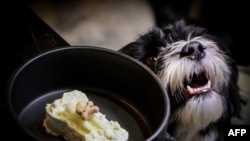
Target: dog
[(200, 77)]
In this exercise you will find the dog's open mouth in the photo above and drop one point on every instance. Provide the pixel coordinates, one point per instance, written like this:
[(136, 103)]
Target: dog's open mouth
[(198, 84)]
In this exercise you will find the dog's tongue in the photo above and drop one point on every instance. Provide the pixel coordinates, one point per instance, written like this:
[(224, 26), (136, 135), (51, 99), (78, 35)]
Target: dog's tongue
[(196, 88)]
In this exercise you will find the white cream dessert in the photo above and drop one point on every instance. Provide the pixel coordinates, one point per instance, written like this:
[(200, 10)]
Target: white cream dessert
[(77, 119)]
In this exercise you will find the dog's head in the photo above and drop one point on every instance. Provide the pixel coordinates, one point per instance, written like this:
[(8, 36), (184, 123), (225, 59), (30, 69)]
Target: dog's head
[(196, 69)]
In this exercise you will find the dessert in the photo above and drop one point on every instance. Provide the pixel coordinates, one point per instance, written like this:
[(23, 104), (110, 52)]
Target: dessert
[(76, 118)]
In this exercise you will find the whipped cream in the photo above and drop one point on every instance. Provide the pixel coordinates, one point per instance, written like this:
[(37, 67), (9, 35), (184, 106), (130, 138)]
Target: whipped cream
[(63, 119)]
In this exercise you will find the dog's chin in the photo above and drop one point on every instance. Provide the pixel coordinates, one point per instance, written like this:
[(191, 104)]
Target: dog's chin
[(200, 110)]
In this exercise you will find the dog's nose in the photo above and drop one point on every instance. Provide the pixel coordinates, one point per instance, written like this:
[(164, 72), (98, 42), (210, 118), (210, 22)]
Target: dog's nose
[(193, 50)]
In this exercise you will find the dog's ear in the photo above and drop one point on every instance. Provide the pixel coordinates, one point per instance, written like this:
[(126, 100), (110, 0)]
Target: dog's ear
[(235, 99), (146, 47), (135, 50)]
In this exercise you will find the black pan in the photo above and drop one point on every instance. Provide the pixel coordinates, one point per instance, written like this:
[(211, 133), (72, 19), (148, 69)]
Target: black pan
[(124, 90)]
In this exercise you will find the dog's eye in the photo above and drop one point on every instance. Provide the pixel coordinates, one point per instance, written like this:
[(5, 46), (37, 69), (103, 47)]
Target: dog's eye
[(150, 62)]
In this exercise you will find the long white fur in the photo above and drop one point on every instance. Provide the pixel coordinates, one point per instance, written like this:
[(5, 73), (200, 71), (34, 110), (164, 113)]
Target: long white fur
[(177, 69), (198, 112)]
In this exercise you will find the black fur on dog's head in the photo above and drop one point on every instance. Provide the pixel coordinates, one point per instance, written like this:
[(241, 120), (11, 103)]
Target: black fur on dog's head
[(199, 74)]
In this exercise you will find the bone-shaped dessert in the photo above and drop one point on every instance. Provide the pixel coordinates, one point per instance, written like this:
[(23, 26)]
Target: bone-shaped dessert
[(77, 119)]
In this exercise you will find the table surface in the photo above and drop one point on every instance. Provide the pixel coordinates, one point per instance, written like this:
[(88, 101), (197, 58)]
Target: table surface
[(27, 35)]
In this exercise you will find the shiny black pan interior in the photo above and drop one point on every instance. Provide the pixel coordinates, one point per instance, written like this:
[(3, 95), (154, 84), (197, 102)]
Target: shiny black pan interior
[(124, 90)]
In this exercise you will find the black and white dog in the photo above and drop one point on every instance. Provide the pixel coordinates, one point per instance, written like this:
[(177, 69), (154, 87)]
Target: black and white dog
[(199, 75)]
